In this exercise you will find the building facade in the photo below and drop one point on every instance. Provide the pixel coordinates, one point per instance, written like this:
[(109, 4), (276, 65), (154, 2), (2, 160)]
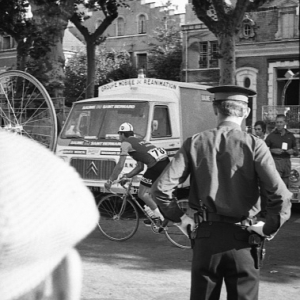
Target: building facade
[(134, 28), (267, 54)]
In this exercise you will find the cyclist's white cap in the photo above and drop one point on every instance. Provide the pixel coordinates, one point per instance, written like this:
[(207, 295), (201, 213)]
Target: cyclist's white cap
[(125, 127)]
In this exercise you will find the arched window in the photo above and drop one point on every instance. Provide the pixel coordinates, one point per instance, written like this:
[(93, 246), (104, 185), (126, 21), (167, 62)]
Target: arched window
[(120, 26), (247, 82), (142, 24), (248, 27), (247, 30), (247, 77)]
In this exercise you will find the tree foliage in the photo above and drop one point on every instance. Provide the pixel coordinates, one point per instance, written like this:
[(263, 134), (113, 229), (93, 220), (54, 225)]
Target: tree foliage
[(31, 42), (165, 55), (224, 18), (40, 37), (109, 10), (110, 66)]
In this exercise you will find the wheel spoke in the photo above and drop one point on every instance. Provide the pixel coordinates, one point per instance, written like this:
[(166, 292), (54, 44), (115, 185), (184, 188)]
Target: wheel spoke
[(8, 103)]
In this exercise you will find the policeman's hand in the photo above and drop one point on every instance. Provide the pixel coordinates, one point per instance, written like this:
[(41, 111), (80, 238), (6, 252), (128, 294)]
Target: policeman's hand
[(108, 184), (290, 151), (183, 225), (258, 228)]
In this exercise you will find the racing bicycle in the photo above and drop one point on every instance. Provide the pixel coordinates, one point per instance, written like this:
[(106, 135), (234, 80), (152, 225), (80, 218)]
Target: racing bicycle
[(119, 217)]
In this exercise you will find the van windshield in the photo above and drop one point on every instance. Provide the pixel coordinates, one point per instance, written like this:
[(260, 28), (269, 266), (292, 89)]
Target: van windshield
[(102, 120)]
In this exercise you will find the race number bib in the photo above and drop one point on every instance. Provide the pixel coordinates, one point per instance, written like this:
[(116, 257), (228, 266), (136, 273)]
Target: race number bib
[(158, 153)]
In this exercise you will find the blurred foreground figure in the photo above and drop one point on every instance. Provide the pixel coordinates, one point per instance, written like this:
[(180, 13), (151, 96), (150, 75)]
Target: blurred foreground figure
[(45, 210)]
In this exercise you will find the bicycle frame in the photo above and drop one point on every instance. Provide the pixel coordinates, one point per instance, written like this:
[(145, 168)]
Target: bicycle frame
[(119, 212), (154, 227)]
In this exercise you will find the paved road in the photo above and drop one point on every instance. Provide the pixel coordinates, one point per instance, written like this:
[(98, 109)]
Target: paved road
[(149, 267)]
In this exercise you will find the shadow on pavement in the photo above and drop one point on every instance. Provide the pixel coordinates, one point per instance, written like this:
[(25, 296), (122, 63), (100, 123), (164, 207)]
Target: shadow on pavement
[(149, 251), (145, 250)]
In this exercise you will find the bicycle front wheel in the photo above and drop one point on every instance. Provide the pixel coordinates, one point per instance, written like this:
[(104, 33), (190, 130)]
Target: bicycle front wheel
[(119, 219), (174, 234)]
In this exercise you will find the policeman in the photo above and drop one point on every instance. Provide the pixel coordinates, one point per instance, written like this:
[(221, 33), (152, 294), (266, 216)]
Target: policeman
[(224, 165)]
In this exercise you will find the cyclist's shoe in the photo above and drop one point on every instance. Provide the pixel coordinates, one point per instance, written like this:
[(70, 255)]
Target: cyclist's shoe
[(157, 221)]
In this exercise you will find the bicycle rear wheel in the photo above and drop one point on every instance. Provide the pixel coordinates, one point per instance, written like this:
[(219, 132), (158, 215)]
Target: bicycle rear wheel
[(174, 234), (119, 219)]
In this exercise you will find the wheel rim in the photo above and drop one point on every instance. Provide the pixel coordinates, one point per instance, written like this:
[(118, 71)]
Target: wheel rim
[(26, 108), (112, 224)]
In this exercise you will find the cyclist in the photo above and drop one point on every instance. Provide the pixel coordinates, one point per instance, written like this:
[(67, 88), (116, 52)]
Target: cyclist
[(156, 159)]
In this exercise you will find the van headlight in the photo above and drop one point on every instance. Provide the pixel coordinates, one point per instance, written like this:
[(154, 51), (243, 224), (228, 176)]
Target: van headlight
[(294, 176)]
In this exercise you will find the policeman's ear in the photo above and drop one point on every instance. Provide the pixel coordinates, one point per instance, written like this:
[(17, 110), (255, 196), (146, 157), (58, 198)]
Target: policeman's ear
[(215, 109), (247, 112)]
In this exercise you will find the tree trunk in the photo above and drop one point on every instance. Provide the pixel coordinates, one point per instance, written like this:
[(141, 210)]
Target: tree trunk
[(21, 56), (90, 79), (52, 63), (223, 18), (227, 61)]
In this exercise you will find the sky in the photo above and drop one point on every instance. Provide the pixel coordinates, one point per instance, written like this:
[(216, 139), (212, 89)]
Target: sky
[(181, 3)]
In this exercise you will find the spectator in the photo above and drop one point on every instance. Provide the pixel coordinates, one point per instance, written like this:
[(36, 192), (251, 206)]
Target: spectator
[(45, 210), (282, 144), (260, 129)]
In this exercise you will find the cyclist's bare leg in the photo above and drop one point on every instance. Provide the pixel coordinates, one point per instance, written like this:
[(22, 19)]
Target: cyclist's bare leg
[(145, 195)]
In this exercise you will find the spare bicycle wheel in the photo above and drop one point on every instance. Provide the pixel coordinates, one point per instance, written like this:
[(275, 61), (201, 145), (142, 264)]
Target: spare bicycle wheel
[(173, 233), (26, 108)]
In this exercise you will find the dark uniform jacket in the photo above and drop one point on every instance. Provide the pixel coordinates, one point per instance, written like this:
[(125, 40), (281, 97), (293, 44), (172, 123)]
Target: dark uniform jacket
[(224, 165)]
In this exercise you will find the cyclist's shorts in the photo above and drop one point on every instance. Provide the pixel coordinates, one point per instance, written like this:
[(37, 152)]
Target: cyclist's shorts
[(153, 173)]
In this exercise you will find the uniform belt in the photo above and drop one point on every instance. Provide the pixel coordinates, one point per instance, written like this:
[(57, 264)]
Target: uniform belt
[(213, 217)]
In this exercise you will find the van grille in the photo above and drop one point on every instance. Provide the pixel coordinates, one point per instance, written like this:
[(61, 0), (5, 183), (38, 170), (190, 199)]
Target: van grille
[(93, 169)]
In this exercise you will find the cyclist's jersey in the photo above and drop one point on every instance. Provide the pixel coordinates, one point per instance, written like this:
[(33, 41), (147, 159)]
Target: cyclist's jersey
[(143, 151)]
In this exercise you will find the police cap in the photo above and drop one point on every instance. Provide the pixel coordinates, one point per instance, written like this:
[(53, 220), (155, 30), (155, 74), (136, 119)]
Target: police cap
[(231, 92)]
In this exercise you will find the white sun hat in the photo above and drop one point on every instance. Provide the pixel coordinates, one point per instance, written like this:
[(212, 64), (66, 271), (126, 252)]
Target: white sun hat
[(45, 210)]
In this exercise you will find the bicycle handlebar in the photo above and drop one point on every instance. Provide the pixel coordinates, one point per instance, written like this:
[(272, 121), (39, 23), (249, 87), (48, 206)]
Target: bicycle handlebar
[(122, 182)]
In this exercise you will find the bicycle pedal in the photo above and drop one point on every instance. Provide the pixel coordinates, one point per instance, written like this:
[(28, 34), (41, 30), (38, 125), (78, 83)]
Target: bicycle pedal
[(161, 229), (147, 222)]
